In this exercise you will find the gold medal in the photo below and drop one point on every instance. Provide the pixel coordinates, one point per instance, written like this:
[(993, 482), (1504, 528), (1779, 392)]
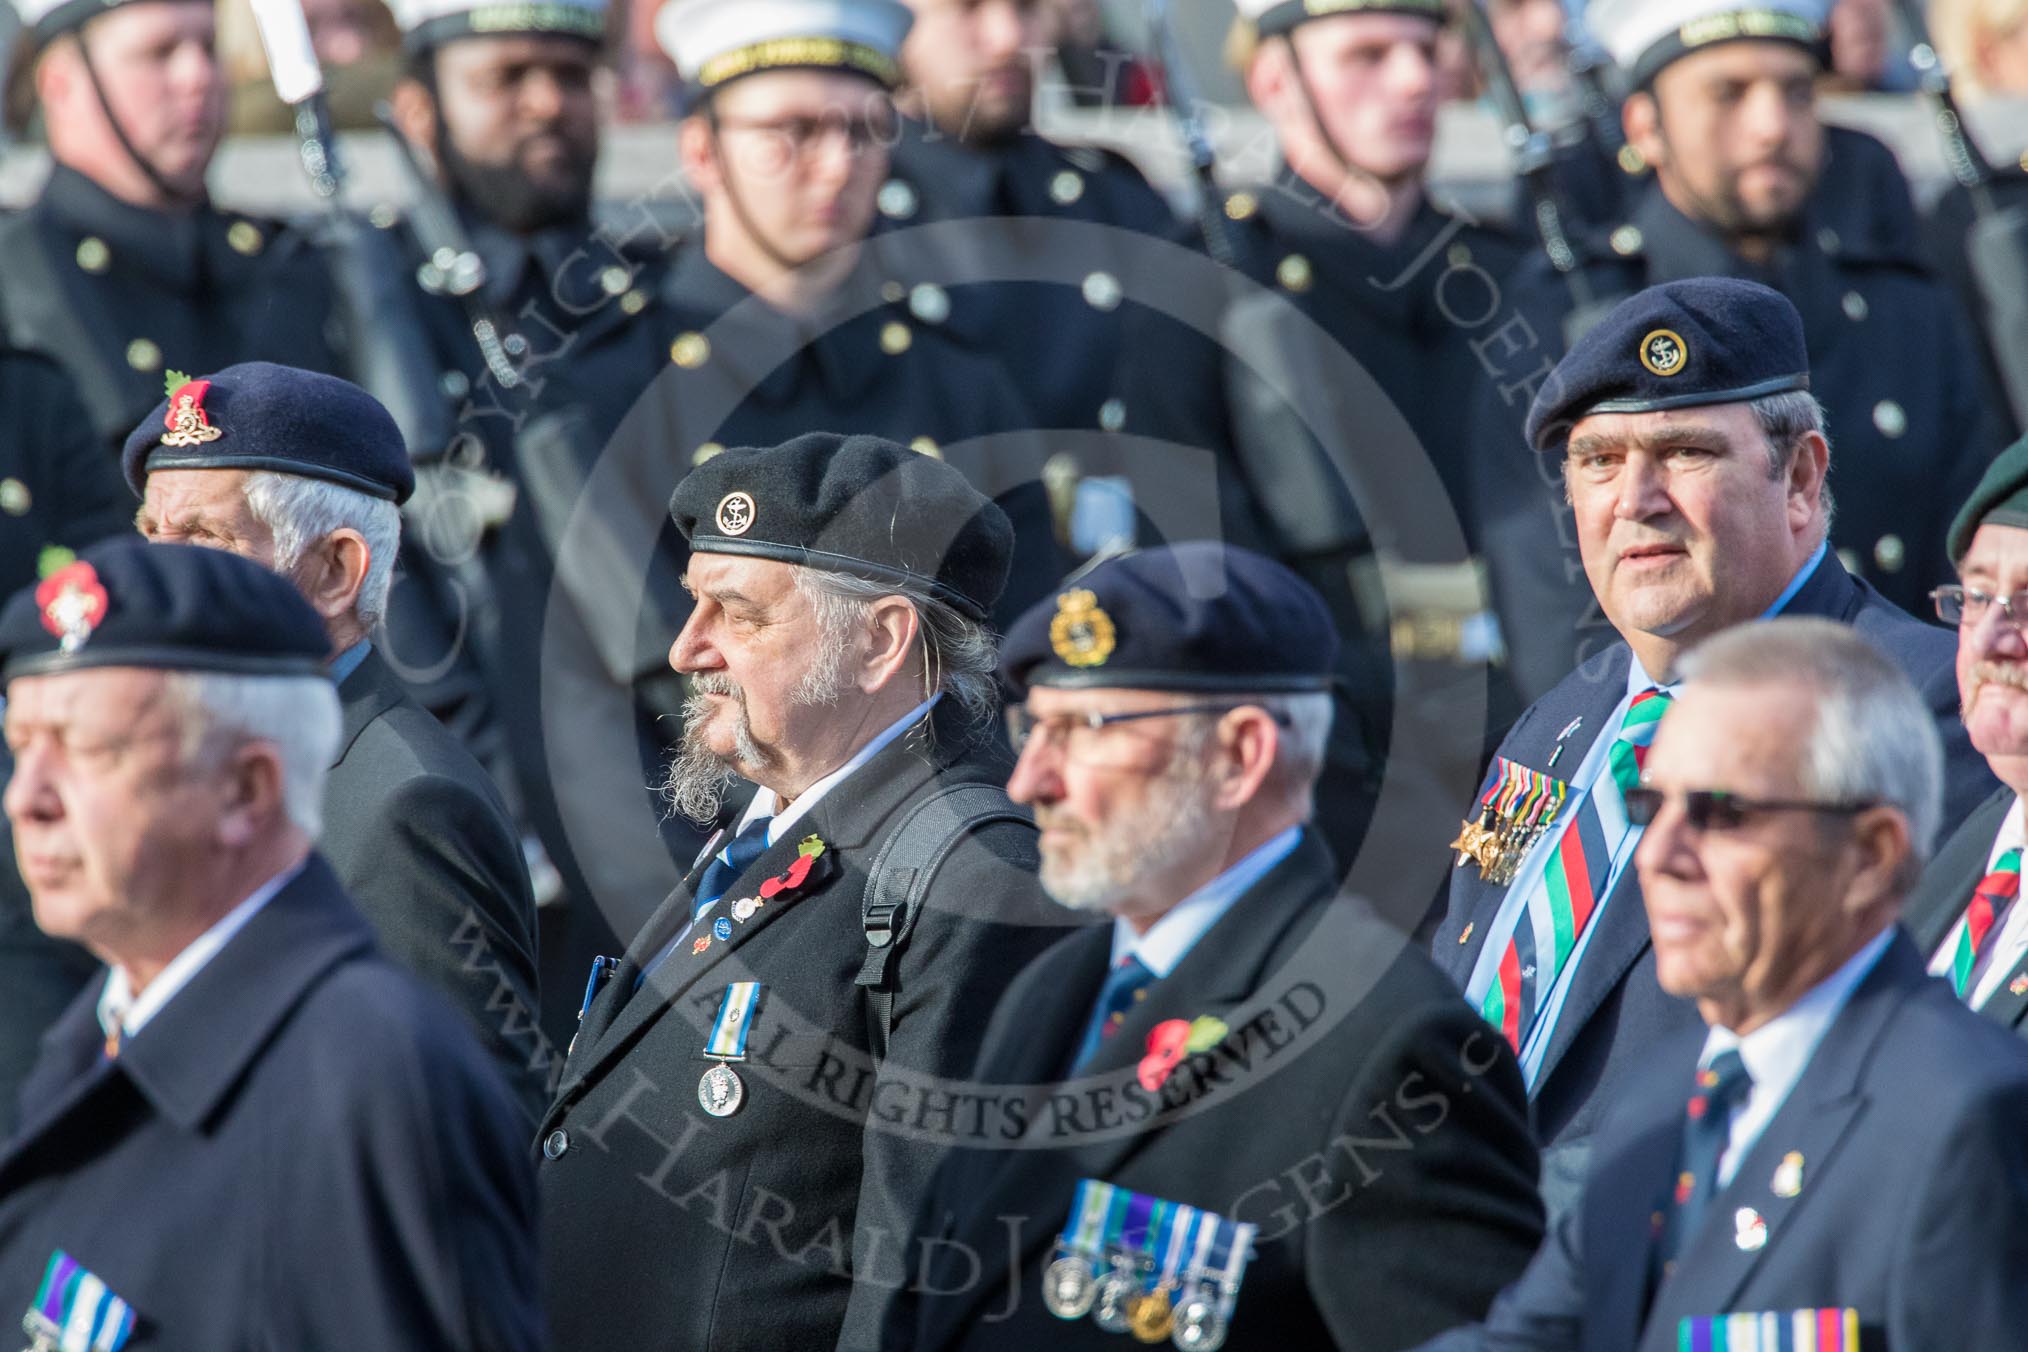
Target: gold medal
[(1152, 1317)]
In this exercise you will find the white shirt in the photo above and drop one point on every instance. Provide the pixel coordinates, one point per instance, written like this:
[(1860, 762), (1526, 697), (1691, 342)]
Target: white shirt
[(1182, 925), (122, 1010), (1777, 1052), (2013, 940)]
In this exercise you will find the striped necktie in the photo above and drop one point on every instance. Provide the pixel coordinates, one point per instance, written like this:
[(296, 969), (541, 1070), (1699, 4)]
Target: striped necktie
[(1979, 928), (1707, 1128), (1575, 873), (735, 857), (1127, 982)]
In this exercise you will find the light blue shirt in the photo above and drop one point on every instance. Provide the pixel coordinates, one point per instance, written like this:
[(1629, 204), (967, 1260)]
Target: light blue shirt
[(347, 662), (1169, 939)]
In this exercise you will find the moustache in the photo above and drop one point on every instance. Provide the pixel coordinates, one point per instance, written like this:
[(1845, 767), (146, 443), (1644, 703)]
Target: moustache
[(1983, 674)]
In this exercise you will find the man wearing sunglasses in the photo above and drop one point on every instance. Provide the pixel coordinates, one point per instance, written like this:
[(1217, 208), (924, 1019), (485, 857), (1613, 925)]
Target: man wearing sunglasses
[(1237, 1036), (1826, 1082), (1694, 458), (1964, 914)]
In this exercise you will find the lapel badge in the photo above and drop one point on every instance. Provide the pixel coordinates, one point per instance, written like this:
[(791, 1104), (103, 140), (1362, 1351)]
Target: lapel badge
[(1788, 1175), (735, 514), (743, 909), (1663, 353), (721, 929), (74, 1308), (1082, 634), (703, 942), (798, 873), (71, 601), (2019, 985), (186, 419), (1205, 1033), (1168, 1041), (1749, 1230), (1465, 935), (811, 845), (1569, 730)]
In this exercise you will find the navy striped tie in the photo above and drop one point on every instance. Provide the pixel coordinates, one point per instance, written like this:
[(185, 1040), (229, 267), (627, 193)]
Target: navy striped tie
[(733, 859)]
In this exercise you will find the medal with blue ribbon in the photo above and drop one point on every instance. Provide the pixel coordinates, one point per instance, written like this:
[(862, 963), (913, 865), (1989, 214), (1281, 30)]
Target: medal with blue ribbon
[(1153, 1317), (720, 1092), (1206, 1314), (74, 1311)]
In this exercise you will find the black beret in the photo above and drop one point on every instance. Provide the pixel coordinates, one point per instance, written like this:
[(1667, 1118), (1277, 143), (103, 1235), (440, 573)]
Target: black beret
[(258, 415), (2001, 498), (856, 505), (1192, 616), (1703, 340), (128, 603)]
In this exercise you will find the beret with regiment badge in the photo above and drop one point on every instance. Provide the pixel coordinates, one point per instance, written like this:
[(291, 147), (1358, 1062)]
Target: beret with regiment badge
[(2001, 498), (128, 603), (1198, 615), (260, 416), (1699, 341), (857, 505)]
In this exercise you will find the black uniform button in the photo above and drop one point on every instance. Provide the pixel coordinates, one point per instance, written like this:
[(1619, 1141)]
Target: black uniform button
[(558, 1142)]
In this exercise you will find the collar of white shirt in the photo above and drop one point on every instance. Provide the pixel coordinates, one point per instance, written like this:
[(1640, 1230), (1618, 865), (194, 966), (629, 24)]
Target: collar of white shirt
[(1183, 924), (122, 1010), (1777, 1052), (2011, 944), (766, 804)]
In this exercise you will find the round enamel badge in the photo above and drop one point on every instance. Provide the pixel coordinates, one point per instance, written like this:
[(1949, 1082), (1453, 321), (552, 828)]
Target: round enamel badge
[(1663, 353), (735, 514)]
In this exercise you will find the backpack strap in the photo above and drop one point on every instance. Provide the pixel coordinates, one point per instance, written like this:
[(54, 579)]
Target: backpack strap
[(897, 885)]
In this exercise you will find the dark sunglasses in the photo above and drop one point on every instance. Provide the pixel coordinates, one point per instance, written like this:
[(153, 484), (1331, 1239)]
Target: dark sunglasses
[(1717, 810)]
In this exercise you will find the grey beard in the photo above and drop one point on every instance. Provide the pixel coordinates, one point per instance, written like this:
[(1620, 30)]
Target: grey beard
[(698, 778)]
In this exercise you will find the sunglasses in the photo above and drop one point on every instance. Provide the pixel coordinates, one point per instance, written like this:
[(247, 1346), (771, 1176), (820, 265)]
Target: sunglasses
[(1717, 810)]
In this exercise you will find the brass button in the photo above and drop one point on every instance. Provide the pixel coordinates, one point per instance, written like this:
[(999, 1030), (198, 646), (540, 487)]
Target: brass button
[(1241, 206), (927, 446), (897, 200), (1102, 291), (1066, 187), (930, 303), (1627, 240), (143, 355), (1632, 161), (1890, 418), (245, 238), (93, 255), (706, 452), (1855, 306), (895, 338), (14, 497), (634, 302), (690, 351), (615, 280), (384, 216), (1889, 553), (1294, 273)]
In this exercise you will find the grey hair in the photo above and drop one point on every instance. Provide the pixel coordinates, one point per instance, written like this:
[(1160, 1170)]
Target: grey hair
[(301, 511), (1873, 739), (1784, 420), (298, 715), (960, 655)]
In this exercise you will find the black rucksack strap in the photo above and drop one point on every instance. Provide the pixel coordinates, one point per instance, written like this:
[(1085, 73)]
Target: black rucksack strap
[(897, 885)]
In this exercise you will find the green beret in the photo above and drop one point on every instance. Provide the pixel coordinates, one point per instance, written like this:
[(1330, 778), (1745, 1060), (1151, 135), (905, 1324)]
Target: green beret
[(2001, 498)]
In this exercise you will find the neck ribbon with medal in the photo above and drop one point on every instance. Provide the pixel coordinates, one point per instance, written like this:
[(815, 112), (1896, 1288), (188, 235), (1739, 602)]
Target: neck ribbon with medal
[(1516, 806), (1170, 1271), (75, 1311)]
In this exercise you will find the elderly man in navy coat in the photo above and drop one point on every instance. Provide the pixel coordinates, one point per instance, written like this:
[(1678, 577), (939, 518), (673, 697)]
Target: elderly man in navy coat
[(1831, 1155), (1695, 460), (253, 1131)]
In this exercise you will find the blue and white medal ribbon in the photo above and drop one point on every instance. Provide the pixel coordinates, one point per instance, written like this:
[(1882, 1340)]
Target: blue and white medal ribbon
[(1069, 1284), (74, 1311), (720, 1092)]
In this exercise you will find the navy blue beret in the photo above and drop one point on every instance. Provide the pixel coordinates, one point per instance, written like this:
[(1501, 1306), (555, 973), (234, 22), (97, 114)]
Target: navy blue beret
[(128, 603), (1703, 340), (258, 415), (858, 505), (1192, 616)]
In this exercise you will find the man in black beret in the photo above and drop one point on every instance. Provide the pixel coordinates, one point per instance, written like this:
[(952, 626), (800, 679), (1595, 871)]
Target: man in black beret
[(1963, 913), (1695, 460), (764, 1055), (253, 1129), (1227, 1041), (305, 473)]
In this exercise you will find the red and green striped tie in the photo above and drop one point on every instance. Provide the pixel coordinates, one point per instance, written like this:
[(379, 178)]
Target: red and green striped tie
[(1979, 929), (1578, 868)]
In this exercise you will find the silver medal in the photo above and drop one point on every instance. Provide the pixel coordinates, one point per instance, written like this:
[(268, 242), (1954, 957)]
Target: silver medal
[(1199, 1325), (720, 1092), (1068, 1287), (1113, 1305), (743, 909)]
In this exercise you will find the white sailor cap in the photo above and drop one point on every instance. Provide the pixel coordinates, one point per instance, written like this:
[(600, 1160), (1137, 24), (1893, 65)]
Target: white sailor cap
[(1643, 36), (46, 19), (714, 41), (425, 23), (1272, 18)]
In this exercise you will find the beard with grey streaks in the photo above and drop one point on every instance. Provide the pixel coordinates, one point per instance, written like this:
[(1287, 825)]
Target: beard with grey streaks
[(698, 776)]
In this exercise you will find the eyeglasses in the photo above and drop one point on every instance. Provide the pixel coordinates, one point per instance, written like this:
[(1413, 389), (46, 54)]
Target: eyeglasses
[(787, 139), (1717, 810), (1968, 605), (1063, 729)]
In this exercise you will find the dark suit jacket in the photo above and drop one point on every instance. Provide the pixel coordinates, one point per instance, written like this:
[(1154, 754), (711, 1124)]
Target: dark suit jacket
[(305, 1148), (1910, 1109), (419, 837), (1615, 1012), (665, 1227), (1366, 1119), (1946, 889)]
